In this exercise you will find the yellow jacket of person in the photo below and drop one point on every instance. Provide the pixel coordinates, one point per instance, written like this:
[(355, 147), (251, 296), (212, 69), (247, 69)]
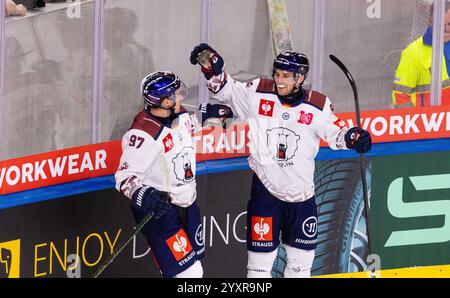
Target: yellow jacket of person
[(412, 83)]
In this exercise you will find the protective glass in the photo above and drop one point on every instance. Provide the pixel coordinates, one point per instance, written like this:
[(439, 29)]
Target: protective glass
[(285, 77), (182, 93)]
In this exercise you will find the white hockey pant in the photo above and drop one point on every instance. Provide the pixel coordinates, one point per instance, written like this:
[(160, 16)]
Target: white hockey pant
[(195, 271), (299, 262), (260, 264)]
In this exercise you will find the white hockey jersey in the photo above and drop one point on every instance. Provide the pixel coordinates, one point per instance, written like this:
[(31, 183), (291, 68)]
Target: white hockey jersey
[(283, 139), (159, 156)]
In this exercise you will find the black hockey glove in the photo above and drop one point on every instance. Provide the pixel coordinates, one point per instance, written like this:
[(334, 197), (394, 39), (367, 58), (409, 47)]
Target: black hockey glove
[(358, 140), (215, 111), (216, 61), (147, 199)]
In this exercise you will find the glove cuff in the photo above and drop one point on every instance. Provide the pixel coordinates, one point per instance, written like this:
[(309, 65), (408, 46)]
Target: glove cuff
[(138, 195), (350, 137), (209, 73)]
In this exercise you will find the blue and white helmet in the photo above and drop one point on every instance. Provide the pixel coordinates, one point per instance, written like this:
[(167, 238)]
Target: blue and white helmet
[(160, 85), (291, 61)]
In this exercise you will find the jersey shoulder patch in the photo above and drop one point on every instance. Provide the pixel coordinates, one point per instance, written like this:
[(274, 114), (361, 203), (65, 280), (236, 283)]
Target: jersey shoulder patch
[(316, 99), (145, 122), (266, 86)]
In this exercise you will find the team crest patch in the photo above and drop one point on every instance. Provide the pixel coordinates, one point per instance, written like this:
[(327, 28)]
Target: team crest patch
[(183, 165), (305, 118), (266, 107), (282, 143), (261, 228), (179, 245)]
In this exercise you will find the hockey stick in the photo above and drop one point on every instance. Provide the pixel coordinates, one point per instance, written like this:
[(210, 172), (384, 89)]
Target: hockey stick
[(143, 222), (114, 255), (361, 155)]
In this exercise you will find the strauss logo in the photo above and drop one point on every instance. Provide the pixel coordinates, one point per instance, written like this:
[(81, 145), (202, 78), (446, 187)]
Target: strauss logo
[(266, 107), (169, 143), (180, 245), (261, 228)]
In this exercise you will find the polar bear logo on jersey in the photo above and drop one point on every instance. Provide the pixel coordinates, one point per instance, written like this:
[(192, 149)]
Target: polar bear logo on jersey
[(183, 164), (282, 143)]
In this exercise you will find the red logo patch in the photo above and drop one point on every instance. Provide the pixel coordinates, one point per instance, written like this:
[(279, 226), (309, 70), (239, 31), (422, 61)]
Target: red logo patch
[(261, 228), (179, 245), (305, 118), (339, 123), (266, 107), (168, 143)]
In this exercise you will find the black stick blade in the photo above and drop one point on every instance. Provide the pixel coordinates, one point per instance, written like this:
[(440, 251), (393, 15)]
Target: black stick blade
[(353, 84), (342, 67)]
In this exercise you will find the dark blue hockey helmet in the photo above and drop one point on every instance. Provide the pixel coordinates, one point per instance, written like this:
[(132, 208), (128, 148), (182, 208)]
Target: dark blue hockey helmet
[(160, 85), (291, 61)]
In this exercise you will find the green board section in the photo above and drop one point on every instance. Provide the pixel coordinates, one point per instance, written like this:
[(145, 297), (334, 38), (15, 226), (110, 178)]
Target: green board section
[(410, 212)]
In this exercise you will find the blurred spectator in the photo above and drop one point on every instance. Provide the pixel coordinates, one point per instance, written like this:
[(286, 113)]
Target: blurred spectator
[(27, 109), (125, 61), (412, 83), (13, 9)]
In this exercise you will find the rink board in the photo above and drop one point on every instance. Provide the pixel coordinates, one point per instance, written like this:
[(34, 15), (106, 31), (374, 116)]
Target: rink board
[(90, 224), (42, 227)]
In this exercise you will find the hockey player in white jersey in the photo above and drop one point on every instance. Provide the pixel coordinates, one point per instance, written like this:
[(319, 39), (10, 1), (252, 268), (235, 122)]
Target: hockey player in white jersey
[(157, 173), (286, 123)]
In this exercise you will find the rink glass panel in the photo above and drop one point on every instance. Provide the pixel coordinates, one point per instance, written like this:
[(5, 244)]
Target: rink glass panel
[(239, 31), (301, 20), (141, 37), (48, 82), (369, 40)]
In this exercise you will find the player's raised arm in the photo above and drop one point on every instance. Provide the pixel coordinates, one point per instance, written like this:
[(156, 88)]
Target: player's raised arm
[(221, 85)]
